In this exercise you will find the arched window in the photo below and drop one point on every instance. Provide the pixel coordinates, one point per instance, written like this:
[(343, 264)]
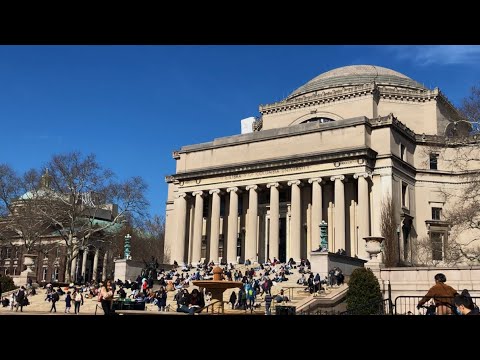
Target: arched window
[(317, 119)]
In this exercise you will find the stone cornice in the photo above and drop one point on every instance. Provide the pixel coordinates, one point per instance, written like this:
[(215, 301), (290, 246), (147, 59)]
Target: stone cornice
[(318, 98), (396, 93), (274, 134), (291, 161), (444, 141), (391, 120), (406, 94)]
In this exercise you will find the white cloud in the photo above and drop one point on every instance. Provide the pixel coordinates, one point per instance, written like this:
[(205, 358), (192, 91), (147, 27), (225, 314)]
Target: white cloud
[(438, 54)]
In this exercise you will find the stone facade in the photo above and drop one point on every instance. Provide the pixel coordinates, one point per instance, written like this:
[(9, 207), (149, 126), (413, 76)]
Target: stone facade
[(50, 266), (333, 150)]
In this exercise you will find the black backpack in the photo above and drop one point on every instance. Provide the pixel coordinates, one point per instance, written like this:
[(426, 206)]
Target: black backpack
[(20, 296), (55, 296)]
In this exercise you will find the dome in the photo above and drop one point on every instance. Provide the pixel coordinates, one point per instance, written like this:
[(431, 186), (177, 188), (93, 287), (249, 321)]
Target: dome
[(357, 75)]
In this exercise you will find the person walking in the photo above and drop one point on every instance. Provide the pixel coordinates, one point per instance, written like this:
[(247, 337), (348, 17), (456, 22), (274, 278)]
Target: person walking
[(20, 299), (78, 300), (55, 298), (233, 299), (68, 302)]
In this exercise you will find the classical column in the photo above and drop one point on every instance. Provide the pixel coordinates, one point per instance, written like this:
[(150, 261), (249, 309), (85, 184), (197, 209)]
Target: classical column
[(84, 263), (214, 224), (73, 270), (197, 227), (232, 226), (339, 212), (295, 222), (251, 233), (95, 265), (105, 263), (274, 241), (363, 213), (316, 211), (178, 248)]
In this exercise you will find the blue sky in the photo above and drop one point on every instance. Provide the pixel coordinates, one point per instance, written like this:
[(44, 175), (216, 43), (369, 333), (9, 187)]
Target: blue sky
[(133, 105)]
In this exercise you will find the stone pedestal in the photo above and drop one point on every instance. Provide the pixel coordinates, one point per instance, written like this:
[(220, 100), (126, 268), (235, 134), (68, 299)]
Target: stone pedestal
[(322, 262), (127, 269), (28, 273)]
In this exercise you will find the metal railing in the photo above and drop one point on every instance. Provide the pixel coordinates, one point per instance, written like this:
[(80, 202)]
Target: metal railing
[(407, 305), (210, 306)]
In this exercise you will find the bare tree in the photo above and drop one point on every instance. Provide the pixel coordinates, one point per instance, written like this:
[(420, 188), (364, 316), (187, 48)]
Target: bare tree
[(147, 239), (21, 200), (459, 151), (389, 232), (151, 239), (86, 203)]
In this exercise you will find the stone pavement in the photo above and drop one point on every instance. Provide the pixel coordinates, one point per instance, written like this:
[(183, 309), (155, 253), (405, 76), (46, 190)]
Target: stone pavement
[(295, 292)]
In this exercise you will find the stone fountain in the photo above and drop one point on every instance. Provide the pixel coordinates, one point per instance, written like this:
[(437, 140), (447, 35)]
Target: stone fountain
[(217, 287)]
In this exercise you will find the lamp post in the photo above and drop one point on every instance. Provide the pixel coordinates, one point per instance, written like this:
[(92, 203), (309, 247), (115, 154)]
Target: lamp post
[(127, 247)]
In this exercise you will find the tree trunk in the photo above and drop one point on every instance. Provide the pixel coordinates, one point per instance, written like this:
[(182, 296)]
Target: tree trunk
[(69, 259)]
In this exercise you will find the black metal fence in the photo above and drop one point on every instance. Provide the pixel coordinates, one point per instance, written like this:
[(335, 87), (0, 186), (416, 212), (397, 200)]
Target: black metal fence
[(403, 305), (407, 305)]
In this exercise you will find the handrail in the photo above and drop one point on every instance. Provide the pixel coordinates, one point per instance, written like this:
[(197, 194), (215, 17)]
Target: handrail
[(211, 305)]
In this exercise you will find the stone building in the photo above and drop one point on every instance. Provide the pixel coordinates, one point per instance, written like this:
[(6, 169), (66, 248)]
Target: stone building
[(93, 262), (333, 150)]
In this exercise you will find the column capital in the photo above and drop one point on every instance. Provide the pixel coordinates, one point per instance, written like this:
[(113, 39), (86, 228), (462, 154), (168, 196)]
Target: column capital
[(317, 180), (214, 191), (254, 187), (181, 195), (362, 174), (234, 189), (337, 177), (199, 192), (294, 182), (274, 184)]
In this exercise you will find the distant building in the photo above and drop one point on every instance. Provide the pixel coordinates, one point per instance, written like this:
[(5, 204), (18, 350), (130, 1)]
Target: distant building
[(333, 150), (93, 262)]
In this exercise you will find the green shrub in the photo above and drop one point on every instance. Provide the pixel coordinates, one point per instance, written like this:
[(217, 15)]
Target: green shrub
[(364, 296), (7, 283)]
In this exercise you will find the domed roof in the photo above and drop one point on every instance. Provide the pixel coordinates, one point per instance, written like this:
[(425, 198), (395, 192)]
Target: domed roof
[(357, 75)]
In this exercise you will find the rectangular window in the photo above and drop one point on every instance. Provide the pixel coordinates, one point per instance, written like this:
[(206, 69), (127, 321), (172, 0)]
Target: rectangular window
[(57, 252), (404, 195), (9, 253), (44, 274), (14, 271), (437, 245), (403, 152), (436, 213), (433, 161), (55, 274)]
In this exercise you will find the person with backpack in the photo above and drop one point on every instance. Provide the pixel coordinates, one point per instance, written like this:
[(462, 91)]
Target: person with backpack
[(55, 298), (20, 299)]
